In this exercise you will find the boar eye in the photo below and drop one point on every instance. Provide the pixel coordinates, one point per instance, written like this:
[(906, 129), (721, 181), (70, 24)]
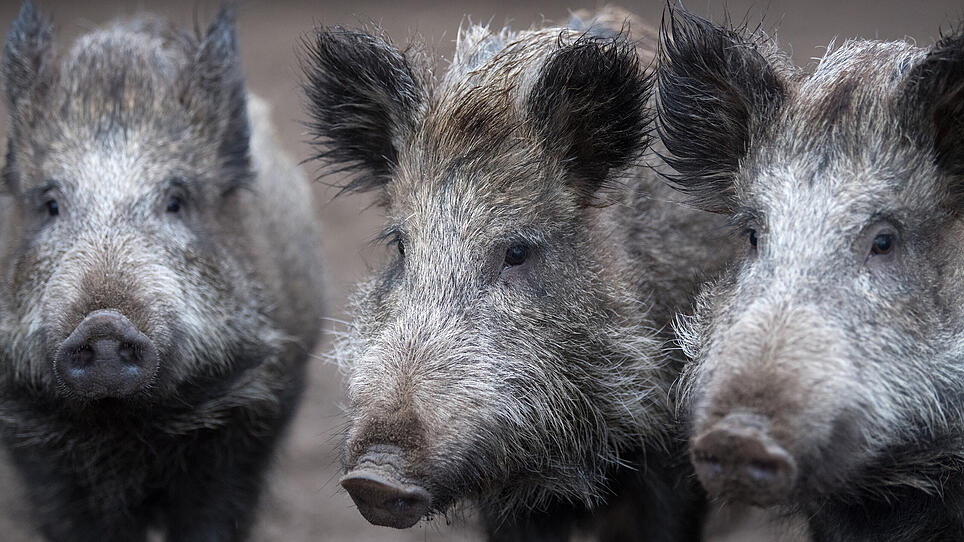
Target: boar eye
[(883, 244), (753, 238), (401, 247), (516, 255), (174, 204), (53, 208)]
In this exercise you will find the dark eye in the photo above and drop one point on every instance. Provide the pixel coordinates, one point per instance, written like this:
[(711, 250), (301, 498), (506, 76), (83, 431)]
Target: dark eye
[(753, 238), (174, 204), (53, 208), (883, 244), (401, 247), (516, 255)]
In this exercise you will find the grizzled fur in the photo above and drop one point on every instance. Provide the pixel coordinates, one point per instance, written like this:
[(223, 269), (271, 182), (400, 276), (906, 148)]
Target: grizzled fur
[(222, 283), (536, 389), (854, 356)]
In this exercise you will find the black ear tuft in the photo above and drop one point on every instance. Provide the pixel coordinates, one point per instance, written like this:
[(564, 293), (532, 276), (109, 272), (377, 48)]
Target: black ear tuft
[(363, 99), (935, 87), (27, 50), (213, 91), (715, 89), (589, 105)]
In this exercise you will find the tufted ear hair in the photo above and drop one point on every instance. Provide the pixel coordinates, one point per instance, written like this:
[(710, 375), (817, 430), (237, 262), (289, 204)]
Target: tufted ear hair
[(715, 89), (935, 88), (589, 106), (213, 91), (363, 100), (26, 68), (26, 55)]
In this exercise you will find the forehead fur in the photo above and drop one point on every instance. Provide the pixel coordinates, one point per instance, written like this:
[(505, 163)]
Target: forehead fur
[(476, 117), (122, 76), (480, 102), (139, 90), (851, 93), (842, 124)]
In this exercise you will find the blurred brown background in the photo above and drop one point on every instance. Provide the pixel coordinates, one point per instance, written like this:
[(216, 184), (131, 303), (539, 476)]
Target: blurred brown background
[(304, 501)]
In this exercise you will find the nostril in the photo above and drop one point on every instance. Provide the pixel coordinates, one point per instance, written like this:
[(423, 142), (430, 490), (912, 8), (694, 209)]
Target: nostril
[(406, 502), (764, 472), (403, 505), (83, 357), (127, 353), (711, 464)]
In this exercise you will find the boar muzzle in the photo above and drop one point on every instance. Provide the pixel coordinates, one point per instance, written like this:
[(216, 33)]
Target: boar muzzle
[(106, 356), (738, 460), (381, 492)]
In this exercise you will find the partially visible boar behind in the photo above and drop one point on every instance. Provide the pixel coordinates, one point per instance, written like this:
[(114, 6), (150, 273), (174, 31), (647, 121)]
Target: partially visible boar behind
[(159, 295), (509, 352), (829, 373)]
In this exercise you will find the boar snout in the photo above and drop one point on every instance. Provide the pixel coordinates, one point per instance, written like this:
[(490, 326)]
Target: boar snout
[(737, 459), (381, 493), (106, 356)]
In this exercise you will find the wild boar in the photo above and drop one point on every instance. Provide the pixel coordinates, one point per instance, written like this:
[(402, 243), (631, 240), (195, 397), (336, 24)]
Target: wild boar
[(159, 288), (829, 361), (510, 351)]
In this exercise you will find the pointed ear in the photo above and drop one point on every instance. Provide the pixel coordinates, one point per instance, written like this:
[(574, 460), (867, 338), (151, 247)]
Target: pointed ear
[(935, 88), (715, 89), (213, 89), (363, 101), (589, 106), (27, 52)]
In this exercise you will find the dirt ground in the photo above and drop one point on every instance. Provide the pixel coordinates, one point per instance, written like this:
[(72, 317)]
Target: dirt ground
[(304, 502)]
